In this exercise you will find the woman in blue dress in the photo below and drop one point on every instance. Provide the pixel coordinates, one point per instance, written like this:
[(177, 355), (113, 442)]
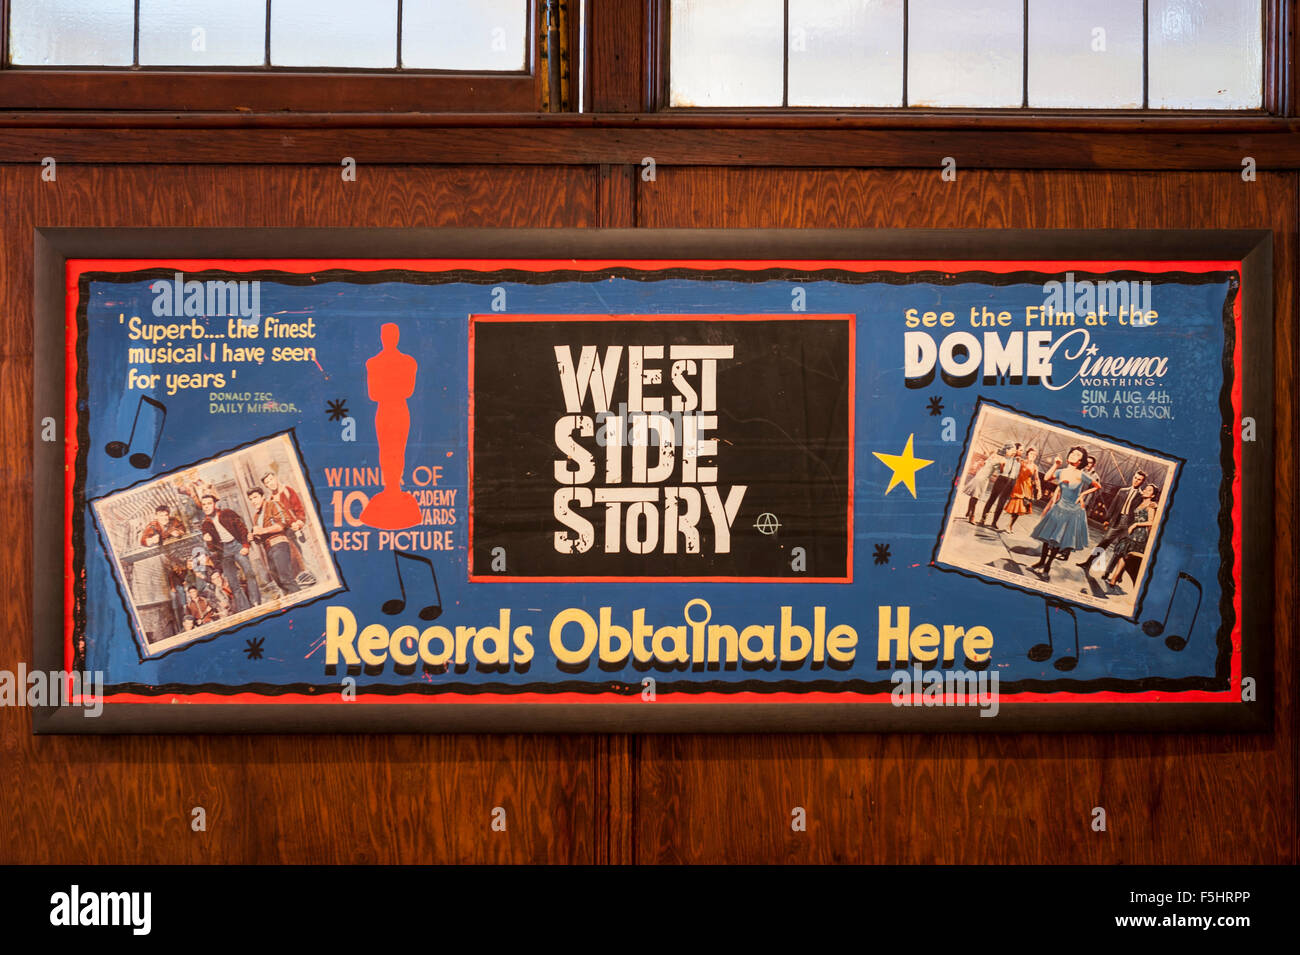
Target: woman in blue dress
[(1064, 525)]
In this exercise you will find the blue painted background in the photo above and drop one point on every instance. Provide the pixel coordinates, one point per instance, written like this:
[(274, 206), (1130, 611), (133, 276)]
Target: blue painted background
[(433, 319)]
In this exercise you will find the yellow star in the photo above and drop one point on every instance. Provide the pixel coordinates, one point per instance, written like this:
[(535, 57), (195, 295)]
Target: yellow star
[(904, 466)]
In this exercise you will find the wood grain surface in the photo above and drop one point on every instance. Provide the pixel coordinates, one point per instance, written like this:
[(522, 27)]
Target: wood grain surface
[(1005, 799), (561, 140), (342, 799), (902, 798)]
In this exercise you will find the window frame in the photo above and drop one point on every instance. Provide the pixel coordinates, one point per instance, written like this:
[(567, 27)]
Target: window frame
[(620, 60), (1278, 94), (276, 89)]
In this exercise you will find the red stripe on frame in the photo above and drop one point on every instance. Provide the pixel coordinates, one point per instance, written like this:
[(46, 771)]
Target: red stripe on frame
[(302, 266)]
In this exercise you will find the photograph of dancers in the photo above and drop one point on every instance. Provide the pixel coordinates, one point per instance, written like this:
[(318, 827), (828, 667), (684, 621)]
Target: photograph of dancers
[(1082, 510)]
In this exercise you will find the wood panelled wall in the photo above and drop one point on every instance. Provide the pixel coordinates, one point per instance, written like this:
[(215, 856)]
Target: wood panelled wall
[(406, 799)]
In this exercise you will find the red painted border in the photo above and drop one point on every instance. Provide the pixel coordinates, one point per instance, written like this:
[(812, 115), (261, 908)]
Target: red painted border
[(77, 267), (665, 317), (949, 266)]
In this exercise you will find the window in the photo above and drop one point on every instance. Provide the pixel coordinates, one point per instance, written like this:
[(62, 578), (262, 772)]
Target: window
[(284, 56), (489, 36), (1036, 54)]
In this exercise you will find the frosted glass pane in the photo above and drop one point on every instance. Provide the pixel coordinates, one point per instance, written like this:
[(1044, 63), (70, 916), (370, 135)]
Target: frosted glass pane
[(1205, 54), (334, 33), (965, 54), (726, 52), (452, 35), (202, 32), (72, 32), (1085, 56), (846, 52)]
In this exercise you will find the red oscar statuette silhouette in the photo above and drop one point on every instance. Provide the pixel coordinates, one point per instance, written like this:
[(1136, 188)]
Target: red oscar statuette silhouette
[(390, 378)]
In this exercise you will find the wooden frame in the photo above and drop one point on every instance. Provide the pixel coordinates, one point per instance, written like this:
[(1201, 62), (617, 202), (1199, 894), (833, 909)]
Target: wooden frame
[(1279, 58), (1253, 249), (1170, 143)]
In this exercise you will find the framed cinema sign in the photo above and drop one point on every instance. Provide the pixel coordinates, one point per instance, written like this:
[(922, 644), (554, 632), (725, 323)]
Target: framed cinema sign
[(560, 480)]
